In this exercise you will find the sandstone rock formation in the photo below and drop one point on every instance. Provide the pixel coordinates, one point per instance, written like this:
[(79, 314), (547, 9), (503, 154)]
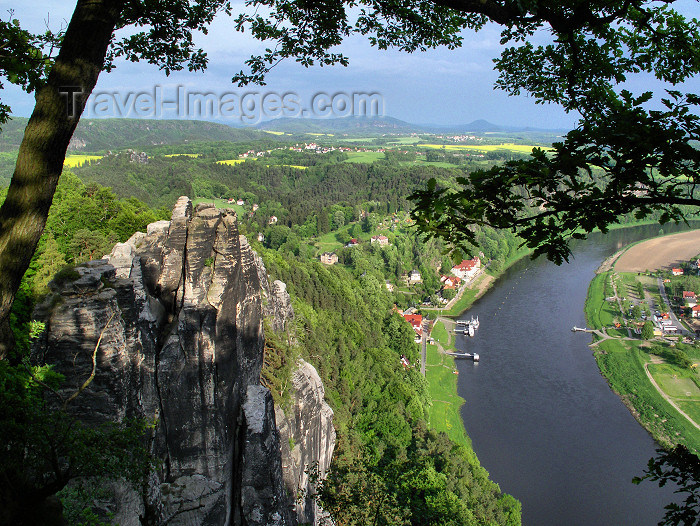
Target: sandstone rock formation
[(307, 438), (179, 310)]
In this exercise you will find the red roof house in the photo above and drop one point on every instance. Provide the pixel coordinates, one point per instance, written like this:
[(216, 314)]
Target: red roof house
[(416, 321), (467, 268), (450, 282)]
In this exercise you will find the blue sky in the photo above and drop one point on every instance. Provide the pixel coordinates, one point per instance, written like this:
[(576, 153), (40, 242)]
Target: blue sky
[(439, 86)]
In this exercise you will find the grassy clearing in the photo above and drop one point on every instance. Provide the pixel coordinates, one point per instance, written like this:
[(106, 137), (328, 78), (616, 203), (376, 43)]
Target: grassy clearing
[(444, 413), (675, 382), (329, 242), (439, 333), (692, 409), (364, 157), (600, 313), (651, 284), (621, 363), (74, 160), (404, 140)]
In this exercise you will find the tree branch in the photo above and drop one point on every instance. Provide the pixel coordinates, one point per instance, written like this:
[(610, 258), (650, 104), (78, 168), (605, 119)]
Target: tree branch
[(94, 365)]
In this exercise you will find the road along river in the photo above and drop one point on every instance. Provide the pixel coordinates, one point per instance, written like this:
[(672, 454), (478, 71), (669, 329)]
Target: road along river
[(542, 419)]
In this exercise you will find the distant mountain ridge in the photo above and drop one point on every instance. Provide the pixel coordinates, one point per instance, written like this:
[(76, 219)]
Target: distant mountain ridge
[(384, 124), (94, 135), (349, 125)]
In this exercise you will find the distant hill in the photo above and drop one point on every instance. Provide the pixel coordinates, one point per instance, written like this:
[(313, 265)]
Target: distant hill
[(482, 126), (98, 135), (342, 125), (93, 135), (12, 132), (358, 126)]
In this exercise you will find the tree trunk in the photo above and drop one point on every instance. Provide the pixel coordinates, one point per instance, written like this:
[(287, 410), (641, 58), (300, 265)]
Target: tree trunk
[(59, 105)]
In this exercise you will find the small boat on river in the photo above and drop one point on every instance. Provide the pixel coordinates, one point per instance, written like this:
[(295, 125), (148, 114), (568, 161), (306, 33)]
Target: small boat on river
[(470, 326)]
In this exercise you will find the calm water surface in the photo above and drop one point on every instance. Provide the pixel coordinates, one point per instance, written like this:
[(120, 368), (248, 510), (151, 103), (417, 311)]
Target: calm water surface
[(542, 419)]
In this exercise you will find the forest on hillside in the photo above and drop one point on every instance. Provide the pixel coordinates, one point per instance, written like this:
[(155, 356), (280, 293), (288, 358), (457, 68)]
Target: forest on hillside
[(387, 453)]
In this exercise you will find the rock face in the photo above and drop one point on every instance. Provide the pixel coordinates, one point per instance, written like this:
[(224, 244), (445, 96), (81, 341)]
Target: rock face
[(307, 440), (179, 311)]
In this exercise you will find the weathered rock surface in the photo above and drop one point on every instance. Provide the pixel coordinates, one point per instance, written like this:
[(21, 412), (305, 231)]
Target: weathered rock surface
[(307, 440), (180, 314)]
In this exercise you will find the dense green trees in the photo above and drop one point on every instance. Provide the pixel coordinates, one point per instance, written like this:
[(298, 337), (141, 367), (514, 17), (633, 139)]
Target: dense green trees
[(291, 194), (43, 446), (388, 467), (595, 47)]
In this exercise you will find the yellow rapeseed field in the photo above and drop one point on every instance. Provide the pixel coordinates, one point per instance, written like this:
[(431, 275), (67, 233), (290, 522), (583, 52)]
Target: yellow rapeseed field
[(74, 160), (519, 148)]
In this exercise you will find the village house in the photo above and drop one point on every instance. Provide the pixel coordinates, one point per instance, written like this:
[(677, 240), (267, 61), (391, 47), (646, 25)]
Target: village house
[(240, 202), (467, 269), (255, 206), (677, 271), (329, 258), (416, 321), (689, 298), (273, 220), (389, 286), (382, 240), (414, 277), (695, 311), (353, 243), (450, 282)]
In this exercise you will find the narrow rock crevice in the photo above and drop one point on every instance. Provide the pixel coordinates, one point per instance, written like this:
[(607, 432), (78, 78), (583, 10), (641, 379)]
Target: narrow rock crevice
[(187, 350)]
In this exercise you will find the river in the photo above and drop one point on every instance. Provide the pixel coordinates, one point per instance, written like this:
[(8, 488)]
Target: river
[(541, 417)]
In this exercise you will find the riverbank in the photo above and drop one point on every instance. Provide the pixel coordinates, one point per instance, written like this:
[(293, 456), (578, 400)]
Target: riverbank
[(441, 372), (628, 364), (469, 294), (444, 414)]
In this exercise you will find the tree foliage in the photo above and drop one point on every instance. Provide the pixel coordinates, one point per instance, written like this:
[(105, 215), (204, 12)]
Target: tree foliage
[(44, 445), (388, 466), (681, 468), (595, 47)]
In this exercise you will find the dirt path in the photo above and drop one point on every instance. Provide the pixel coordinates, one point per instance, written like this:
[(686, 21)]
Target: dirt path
[(660, 253), (668, 398), (484, 284), (609, 262)]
